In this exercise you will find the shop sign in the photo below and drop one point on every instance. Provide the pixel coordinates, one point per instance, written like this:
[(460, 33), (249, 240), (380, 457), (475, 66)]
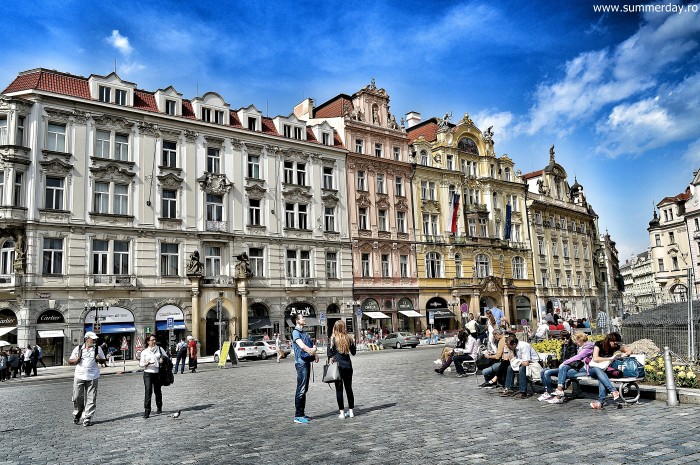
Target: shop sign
[(370, 305), (51, 316), (8, 317), (110, 315), (300, 308), (44, 295), (405, 304), (169, 311), (436, 302)]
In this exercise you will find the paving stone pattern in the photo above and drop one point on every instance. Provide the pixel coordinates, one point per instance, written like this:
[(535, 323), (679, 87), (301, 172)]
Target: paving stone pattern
[(405, 414)]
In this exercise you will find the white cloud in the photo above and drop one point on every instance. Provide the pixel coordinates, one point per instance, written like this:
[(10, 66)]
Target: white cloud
[(119, 42), (500, 121), (693, 152)]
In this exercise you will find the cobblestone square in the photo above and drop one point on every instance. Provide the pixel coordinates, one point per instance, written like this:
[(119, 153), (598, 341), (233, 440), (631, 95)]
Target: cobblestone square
[(405, 414)]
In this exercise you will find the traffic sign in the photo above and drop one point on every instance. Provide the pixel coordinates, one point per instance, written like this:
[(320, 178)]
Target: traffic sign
[(125, 345), (171, 322), (358, 312), (322, 317), (431, 318)]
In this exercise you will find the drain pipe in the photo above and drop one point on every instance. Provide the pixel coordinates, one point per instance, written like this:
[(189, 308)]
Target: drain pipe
[(671, 394)]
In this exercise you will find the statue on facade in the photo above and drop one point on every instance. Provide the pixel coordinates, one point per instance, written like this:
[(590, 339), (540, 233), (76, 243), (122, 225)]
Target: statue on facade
[(372, 84), (551, 154), (488, 135), (243, 270), (195, 267), (375, 115), (392, 122), (442, 123)]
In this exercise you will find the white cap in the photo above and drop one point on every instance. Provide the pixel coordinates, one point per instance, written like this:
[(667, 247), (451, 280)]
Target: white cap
[(91, 335), (189, 338)]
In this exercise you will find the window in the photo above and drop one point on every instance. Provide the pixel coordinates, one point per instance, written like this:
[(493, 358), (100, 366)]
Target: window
[(303, 223), (296, 216), (518, 268), (433, 265), (361, 182), (105, 94), (399, 186), (254, 212), (206, 115), (101, 199), (17, 197), (382, 223), (171, 107), (397, 153), (290, 215), (545, 279), (540, 245), (385, 265), (121, 258), (588, 280), (219, 117), (291, 263), (483, 227), (252, 124), (3, 131), (289, 172), (403, 265), (578, 280), (573, 225), (674, 261), (401, 222), (212, 261), (169, 154), (121, 147), (671, 238), (565, 246), (434, 222), (257, 262), (431, 191), (575, 250), (301, 174), (506, 174), (326, 138), (568, 279), (424, 190), (331, 265), (362, 218), (327, 178), (53, 199), (424, 158), (287, 130), (516, 236), (19, 134), (365, 265), (121, 200), (377, 149), (359, 145), (697, 224), (7, 257), (492, 171), (426, 224), (329, 219), (472, 227), (120, 97), (215, 207), (2, 188), (585, 251), (213, 161), (450, 162), (254, 166), (169, 259), (380, 184), (52, 262), (661, 264), (557, 279), (102, 144), (555, 251), (100, 255), (482, 266), (458, 265), (298, 134)]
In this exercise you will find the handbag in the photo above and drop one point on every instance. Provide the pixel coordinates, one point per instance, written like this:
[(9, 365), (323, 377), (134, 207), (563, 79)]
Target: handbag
[(483, 363), (630, 367), (331, 374)]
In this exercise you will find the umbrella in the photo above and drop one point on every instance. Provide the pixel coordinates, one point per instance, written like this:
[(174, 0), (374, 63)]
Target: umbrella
[(4, 343)]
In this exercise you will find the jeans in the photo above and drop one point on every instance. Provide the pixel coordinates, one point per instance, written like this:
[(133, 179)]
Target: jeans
[(491, 371), (458, 359), (562, 373), (303, 370), (151, 382), (180, 360), (522, 378), (345, 380), (604, 384), (84, 398)]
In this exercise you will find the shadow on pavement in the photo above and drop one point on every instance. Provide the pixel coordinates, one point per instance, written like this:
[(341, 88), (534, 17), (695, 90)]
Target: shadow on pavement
[(358, 411), (166, 413)]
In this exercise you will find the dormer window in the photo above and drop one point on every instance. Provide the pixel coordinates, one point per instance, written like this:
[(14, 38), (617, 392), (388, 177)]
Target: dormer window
[(287, 130), (120, 97), (326, 138), (105, 94), (298, 134), (171, 107), (206, 115), (252, 124), (219, 117), (111, 89)]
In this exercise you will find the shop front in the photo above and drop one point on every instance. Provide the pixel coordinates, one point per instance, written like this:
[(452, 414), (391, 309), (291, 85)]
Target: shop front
[(174, 315), (50, 336), (332, 315), (443, 318), (259, 323), (8, 326), (312, 322), (373, 320), (410, 321), (116, 325)]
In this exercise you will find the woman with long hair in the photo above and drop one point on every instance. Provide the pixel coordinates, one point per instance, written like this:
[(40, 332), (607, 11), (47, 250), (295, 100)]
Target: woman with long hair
[(340, 346), (605, 352)]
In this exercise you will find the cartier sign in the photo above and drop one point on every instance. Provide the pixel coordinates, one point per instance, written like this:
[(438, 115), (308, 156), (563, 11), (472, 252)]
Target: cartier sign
[(7, 318), (51, 316)]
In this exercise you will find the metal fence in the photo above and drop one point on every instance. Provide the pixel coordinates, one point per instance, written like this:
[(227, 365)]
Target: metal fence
[(675, 337)]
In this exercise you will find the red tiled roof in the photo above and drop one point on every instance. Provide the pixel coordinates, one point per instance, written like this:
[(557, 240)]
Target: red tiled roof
[(145, 101), (336, 139), (682, 197), (534, 174), (51, 81), (187, 110), (333, 107), (268, 127), (235, 122), (427, 129), (310, 135)]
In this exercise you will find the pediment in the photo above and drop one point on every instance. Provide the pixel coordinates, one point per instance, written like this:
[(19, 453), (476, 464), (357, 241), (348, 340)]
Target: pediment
[(297, 194), (56, 167), (112, 172), (170, 181), (255, 191)]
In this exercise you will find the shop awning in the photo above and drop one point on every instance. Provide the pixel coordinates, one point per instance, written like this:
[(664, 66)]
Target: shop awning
[(114, 328), (7, 329), (411, 313), (259, 323), (163, 325), (376, 315), (55, 333), (310, 321), (441, 313)]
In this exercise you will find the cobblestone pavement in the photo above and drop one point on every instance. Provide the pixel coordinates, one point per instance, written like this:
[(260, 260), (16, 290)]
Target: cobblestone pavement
[(405, 414)]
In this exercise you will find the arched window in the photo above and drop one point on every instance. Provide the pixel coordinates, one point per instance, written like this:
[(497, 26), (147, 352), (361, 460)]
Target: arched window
[(518, 268), (433, 265), (7, 257), (483, 269), (458, 265), (424, 158), (468, 146)]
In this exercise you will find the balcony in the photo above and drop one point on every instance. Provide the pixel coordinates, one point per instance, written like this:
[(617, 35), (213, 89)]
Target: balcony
[(302, 282), (218, 281), (99, 280), (218, 226), (434, 239)]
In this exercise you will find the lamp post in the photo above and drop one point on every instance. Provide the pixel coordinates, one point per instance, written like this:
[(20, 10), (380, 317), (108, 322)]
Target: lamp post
[(91, 305), (455, 304), (351, 304)]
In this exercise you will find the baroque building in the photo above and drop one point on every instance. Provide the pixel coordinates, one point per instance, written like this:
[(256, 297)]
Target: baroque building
[(473, 247), (379, 202), (640, 286), (134, 211), (564, 234), (692, 226)]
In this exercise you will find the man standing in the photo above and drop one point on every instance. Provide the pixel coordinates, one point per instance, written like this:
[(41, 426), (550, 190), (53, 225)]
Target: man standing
[(498, 315), (87, 372), (41, 355), (304, 353), (181, 350)]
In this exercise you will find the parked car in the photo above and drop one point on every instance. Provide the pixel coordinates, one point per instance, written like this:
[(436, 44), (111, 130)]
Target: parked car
[(266, 349), (245, 350), (399, 340)]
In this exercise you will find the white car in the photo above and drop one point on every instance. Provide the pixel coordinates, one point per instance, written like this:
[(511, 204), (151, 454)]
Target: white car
[(245, 350), (266, 349)]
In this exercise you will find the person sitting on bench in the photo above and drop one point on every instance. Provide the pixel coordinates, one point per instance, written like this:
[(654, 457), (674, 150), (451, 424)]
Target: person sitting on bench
[(569, 368), (604, 353)]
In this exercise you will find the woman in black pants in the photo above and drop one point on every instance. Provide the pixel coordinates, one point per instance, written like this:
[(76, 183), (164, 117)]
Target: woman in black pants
[(340, 346), (151, 358)]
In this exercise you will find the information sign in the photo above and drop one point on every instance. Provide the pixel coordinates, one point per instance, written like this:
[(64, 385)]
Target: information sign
[(223, 356)]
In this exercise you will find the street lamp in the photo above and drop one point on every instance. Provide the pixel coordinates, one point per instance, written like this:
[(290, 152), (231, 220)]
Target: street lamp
[(454, 304), (91, 305), (351, 304)]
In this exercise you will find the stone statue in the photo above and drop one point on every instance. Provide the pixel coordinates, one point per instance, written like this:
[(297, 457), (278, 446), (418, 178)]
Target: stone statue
[(392, 122), (442, 123), (375, 115), (488, 135), (195, 266), (551, 154), (373, 85), (243, 270)]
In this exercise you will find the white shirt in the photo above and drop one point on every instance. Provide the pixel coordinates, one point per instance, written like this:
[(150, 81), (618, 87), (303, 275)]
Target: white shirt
[(542, 330), (153, 356), (87, 368), (525, 352)]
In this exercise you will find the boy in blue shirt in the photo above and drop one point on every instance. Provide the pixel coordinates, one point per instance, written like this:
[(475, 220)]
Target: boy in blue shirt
[(304, 354)]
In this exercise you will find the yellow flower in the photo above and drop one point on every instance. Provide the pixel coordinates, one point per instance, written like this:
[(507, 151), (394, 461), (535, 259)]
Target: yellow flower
[(681, 374), (691, 375)]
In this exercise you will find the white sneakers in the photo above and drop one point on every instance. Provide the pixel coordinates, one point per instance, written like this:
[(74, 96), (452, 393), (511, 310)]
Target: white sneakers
[(544, 397), (350, 414), (341, 415), (344, 415)]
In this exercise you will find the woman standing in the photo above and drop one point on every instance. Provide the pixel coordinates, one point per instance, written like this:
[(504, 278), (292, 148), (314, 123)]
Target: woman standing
[(192, 353), (491, 325), (340, 347), (151, 359)]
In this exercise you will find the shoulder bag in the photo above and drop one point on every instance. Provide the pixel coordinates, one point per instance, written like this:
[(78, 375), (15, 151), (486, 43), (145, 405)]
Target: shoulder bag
[(165, 370), (331, 374)]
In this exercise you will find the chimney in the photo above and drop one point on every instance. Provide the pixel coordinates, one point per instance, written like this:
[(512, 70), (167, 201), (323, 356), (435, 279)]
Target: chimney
[(412, 118), (305, 109)]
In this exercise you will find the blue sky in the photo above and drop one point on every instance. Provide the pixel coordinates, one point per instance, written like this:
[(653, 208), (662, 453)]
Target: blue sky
[(618, 94)]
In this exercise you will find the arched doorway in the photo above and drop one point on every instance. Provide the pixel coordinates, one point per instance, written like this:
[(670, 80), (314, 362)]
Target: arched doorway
[(486, 302), (523, 310), (332, 315), (213, 338), (259, 320)]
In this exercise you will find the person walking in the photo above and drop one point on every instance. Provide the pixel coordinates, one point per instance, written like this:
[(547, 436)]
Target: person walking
[(151, 358), (14, 363), (181, 351), (34, 359), (3, 366), (340, 347), (304, 354), (280, 352), (27, 361), (41, 355), (192, 353), (87, 373)]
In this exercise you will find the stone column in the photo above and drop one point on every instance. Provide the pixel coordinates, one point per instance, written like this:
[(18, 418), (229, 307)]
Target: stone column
[(243, 292), (195, 308)]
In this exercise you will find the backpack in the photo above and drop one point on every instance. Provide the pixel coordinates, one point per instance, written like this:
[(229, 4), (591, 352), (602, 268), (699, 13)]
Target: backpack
[(630, 367), (165, 373)]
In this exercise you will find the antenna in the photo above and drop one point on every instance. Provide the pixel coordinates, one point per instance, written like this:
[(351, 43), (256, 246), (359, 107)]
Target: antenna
[(115, 66), (267, 108)]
